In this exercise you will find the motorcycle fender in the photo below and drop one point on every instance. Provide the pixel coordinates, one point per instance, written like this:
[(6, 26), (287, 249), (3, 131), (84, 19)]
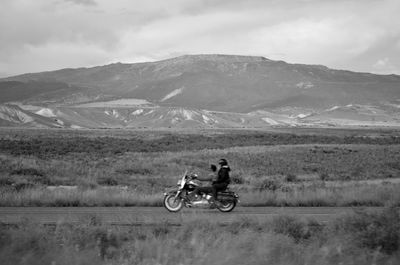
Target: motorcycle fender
[(228, 198), (231, 196), (177, 194), (171, 192), (226, 193)]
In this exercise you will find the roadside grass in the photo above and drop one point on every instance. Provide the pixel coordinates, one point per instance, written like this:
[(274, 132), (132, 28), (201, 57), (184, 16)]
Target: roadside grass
[(279, 169), (363, 195), (78, 197), (296, 195), (358, 238)]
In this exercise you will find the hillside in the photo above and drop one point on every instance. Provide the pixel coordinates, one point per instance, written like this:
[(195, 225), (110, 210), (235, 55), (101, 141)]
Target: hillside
[(241, 91)]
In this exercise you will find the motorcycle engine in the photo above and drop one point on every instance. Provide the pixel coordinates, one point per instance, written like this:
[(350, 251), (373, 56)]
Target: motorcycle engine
[(202, 202)]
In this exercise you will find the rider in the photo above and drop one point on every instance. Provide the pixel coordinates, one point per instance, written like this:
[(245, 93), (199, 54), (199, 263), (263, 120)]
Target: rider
[(223, 179), (220, 181)]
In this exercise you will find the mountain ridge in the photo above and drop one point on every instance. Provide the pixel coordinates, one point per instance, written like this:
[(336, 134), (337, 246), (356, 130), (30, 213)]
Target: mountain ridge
[(214, 82)]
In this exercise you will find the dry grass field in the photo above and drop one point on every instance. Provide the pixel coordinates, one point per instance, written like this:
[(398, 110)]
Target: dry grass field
[(359, 238), (281, 167), (306, 167)]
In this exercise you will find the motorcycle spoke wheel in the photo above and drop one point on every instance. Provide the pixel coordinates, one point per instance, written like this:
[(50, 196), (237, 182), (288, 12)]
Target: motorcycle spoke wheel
[(172, 204), (226, 206)]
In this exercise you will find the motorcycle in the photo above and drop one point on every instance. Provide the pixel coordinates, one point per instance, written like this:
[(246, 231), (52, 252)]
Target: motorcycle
[(177, 198)]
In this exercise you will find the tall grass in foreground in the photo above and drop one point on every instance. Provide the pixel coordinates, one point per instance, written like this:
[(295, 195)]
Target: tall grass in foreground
[(361, 238), (354, 195)]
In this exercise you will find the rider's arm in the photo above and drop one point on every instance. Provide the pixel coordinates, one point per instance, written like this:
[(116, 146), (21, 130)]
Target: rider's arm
[(210, 177), (207, 178)]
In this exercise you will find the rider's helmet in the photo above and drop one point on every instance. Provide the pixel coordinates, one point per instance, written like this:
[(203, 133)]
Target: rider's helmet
[(223, 162)]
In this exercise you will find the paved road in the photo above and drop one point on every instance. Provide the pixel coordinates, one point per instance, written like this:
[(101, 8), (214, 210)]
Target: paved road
[(154, 215)]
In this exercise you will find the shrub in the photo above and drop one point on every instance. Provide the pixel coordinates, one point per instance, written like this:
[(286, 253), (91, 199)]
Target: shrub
[(135, 171), (23, 185), (373, 230), (5, 182), (290, 226), (42, 179), (27, 172), (237, 179), (109, 181), (87, 184), (271, 184), (291, 178), (324, 176)]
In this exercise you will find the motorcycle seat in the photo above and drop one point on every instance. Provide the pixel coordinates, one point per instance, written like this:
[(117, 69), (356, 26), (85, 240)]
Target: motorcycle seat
[(225, 192)]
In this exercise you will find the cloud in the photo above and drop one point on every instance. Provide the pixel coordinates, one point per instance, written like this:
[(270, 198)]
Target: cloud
[(83, 2), (381, 63), (385, 66), (347, 34), (42, 58)]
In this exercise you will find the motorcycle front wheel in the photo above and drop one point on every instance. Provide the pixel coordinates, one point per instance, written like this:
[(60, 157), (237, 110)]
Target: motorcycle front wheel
[(173, 204), (226, 206)]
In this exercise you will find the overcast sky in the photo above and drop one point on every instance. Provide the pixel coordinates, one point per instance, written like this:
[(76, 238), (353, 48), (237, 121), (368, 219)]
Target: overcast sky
[(39, 35)]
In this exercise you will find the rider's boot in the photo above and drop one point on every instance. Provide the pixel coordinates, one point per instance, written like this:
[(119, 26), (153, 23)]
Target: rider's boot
[(188, 203), (212, 205), (213, 202)]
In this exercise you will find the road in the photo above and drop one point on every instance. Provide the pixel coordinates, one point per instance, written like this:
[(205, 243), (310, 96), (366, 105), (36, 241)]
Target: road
[(156, 215)]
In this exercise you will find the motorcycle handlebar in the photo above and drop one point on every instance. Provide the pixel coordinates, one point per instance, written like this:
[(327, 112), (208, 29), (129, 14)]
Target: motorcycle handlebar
[(192, 176)]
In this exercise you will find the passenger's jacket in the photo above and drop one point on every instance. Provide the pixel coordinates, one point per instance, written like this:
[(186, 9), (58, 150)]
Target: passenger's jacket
[(223, 176)]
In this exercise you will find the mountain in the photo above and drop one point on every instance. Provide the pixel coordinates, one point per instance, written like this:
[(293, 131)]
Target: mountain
[(193, 90)]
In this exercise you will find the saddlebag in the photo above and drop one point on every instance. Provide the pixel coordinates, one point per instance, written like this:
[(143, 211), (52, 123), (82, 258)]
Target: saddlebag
[(226, 196)]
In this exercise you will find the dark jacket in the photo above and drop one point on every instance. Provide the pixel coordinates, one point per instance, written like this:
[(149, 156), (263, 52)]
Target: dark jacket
[(223, 176)]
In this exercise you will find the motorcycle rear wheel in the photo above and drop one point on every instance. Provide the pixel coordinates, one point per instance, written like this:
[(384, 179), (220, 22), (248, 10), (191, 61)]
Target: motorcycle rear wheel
[(172, 204), (226, 206)]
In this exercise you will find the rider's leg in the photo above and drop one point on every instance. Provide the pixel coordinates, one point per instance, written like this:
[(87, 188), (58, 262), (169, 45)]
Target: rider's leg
[(218, 187), (199, 190), (195, 192)]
